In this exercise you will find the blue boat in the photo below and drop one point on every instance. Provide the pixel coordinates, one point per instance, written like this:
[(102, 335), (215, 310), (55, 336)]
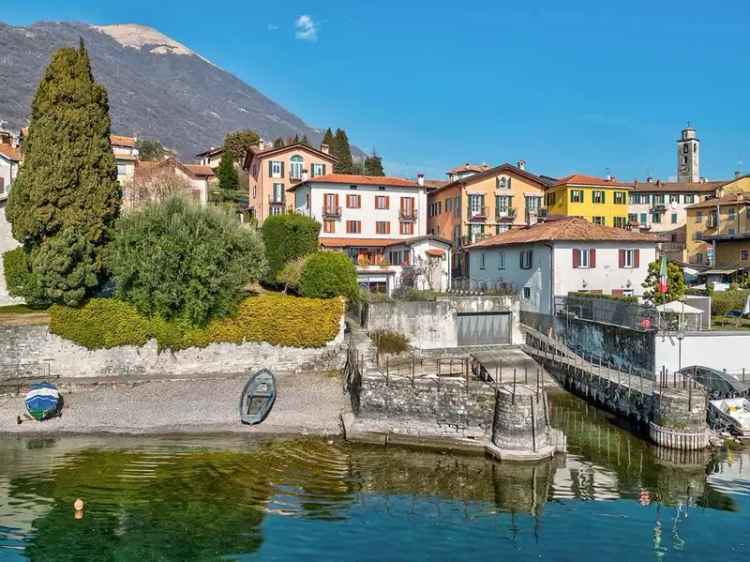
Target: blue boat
[(43, 401), (257, 397)]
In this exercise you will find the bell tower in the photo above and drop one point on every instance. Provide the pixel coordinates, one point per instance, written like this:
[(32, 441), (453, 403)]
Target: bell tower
[(688, 156)]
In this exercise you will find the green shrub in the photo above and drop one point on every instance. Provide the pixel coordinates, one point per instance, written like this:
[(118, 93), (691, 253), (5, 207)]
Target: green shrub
[(329, 274), (291, 274), (17, 270), (621, 298), (273, 318), (181, 261), (389, 342), (287, 237), (724, 301)]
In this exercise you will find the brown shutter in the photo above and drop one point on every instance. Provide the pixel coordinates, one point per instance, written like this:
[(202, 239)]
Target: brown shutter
[(622, 258), (270, 168), (592, 257), (637, 258), (576, 258), (282, 169), (324, 169)]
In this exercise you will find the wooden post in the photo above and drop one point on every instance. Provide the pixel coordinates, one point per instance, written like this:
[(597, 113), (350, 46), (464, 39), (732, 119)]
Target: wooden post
[(533, 424), (513, 398)]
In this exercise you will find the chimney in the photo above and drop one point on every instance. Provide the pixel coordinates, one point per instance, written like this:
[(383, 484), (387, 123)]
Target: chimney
[(325, 148), (522, 164), (609, 177), (420, 180)]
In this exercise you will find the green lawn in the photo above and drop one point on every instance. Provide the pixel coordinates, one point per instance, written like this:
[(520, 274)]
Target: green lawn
[(22, 309)]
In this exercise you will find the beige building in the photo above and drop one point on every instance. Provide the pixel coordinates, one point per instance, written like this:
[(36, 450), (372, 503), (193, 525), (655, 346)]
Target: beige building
[(126, 155), (273, 171)]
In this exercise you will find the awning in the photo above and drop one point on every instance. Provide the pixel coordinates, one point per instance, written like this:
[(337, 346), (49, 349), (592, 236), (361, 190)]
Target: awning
[(434, 252), (678, 308), (719, 272)]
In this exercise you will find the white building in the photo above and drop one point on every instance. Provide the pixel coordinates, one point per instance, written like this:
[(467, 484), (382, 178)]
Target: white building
[(126, 155), (660, 206), (381, 223), (10, 157), (560, 256)]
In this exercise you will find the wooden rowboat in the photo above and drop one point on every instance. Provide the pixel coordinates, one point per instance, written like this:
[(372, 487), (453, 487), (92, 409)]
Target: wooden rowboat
[(258, 397), (43, 401)]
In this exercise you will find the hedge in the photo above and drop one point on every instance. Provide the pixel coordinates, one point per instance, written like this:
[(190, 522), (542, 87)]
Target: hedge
[(273, 318), (329, 274), (287, 237), (724, 301), (17, 270)]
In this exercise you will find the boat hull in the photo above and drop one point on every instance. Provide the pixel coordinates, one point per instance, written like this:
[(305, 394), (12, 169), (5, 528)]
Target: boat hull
[(43, 401), (258, 397)]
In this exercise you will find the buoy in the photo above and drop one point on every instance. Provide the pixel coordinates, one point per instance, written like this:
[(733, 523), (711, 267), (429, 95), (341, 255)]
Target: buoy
[(78, 504)]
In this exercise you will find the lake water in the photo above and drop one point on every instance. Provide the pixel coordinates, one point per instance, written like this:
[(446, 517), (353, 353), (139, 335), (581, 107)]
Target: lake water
[(613, 497)]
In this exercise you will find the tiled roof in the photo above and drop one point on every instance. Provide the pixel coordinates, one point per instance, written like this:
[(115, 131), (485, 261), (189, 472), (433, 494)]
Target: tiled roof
[(567, 229), (593, 181), (729, 199), (435, 184), (198, 170), (274, 150), (122, 141), (10, 153), (210, 152), (675, 187), (333, 242), (350, 179), (498, 170), (469, 168)]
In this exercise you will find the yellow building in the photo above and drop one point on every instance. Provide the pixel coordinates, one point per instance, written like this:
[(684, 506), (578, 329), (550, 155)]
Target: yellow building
[(598, 200), (718, 229)]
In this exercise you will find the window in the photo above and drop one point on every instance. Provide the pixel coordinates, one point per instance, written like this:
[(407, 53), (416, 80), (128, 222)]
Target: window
[(501, 228), (276, 210), (503, 204), (684, 159), (448, 205), (527, 293), (329, 226), (353, 201), (331, 204), (656, 218), (276, 169), (2, 185), (407, 228), (476, 205), (482, 260), (549, 198), (674, 218), (503, 182), (629, 259), (732, 213), (407, 208), (584, 258), (744, 254), (296, 163), (620, 222), (698, 217), (353, 227), (633, 218), (527, 257), (619, 197), (501, 260), (383, 227), (599, 220), (688, 199), (576, 196), (644, 219), (598, 197), (674, 197), (685, 148), (318, 170), (381, 202), (122, 169), (278, 193), (659, 199), (699, 259)]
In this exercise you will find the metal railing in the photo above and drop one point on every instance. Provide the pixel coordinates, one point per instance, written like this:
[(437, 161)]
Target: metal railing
[(407, 214), (477, 214), (505, 214), (332, 212)]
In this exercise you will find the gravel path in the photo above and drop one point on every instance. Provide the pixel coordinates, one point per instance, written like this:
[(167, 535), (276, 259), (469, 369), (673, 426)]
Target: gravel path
[(307, 404)]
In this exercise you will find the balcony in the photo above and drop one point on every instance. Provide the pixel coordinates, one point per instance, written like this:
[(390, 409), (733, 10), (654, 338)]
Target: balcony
[(477, 214), (331, 212), (502, 215), (275, 201), (407, 214), (658, 207)]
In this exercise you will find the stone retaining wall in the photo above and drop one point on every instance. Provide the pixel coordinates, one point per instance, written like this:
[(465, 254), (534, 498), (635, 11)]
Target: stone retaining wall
[(521, 420), (36, 345)]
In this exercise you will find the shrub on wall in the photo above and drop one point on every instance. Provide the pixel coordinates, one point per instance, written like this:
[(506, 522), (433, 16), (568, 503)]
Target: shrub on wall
[(329, 274), (17, 270), (273, 318), (287, 237), (178, 260)]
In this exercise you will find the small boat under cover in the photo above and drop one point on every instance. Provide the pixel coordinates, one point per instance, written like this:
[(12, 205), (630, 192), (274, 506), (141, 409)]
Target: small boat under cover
[(732, 413), (258, 397), (43, 401)]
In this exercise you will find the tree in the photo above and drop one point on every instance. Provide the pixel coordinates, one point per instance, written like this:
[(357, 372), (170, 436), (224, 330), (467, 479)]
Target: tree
[(675, 284), (179, 260), (239, 142), (329, 274), (155, 187), (291, 274), (374, 165), (278, 143), (287, 237), (151, 150), (68, 183), (228, 188), (358, 167), (305, 140), (342, 152), (328, 138)]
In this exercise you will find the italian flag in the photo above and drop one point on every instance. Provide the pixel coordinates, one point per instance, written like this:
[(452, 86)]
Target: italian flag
[(663, 281)]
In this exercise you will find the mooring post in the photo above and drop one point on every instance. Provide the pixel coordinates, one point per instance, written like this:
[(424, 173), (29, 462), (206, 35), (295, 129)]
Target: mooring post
[(513, 399), (526, 374), (533, 424)]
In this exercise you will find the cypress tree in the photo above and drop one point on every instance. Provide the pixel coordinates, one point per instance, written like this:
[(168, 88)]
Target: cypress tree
[(374, 165), (342, 152), (328, 138), (305, 140), (229, 181), (68, 185), (278, 143)]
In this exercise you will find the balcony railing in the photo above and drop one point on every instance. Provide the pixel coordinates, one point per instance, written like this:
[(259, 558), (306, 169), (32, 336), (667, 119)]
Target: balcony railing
[(407, 214), (332, 212), (477, 214), (658, 208), (508, 214), (275, 201)]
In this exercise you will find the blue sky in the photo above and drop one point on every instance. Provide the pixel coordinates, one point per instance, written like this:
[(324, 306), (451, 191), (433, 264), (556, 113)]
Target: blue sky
[(586, 86)]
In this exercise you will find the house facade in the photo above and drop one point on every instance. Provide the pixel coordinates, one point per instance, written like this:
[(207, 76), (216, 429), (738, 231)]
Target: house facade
[(484, 204), (661, 206), (155, 180), (559, 256), (210, 157), (272, 172), (602, 201), (381, 224), (126, 155)]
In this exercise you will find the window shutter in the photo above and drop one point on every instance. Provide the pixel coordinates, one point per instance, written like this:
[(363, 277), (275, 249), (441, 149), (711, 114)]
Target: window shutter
[(270, 168), (522, 254), (282, 169), (622, 258), (324, 169), (636, 258), (592, 257), (576, 258)]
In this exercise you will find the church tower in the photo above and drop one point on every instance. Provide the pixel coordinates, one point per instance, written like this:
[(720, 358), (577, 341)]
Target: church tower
[(688, 156)]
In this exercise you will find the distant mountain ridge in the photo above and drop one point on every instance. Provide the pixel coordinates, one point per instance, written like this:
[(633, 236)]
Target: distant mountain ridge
[(158, 88)]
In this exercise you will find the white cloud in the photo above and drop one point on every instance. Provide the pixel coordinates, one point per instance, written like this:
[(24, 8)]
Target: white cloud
[(272, 27), (306, 28)]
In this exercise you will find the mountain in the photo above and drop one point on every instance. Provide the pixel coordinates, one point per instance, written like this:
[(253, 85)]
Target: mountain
[(158, 88)]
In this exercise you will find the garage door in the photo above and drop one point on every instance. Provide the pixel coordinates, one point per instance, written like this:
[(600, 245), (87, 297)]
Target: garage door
[(483, 329)]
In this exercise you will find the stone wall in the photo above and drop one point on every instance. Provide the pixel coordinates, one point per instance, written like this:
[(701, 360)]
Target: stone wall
[(521, 419), (36, 345), (444, 400)]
